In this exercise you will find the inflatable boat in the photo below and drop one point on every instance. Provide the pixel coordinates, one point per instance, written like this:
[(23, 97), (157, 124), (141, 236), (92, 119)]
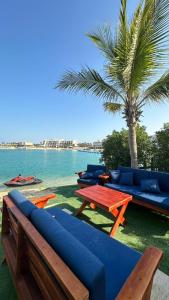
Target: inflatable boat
[(21, 181)]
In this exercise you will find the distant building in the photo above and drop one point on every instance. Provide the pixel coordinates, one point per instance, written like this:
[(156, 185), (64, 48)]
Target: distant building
[(25, 144), (97, 145), (58, 144), (50, 144), (17, 144), (85, 145)]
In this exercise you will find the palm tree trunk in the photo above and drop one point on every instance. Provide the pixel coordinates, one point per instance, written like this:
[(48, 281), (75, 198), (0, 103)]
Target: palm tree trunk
[(133, 145)]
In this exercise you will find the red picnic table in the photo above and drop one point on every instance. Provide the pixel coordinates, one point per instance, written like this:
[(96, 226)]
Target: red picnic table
[(110, 200)]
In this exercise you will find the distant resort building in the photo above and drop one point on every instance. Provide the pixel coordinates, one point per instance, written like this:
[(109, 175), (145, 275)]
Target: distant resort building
[(55, 144), (25, 144), (98, 145), (85, 145), (59, 144), (95, 147), (16, 145)]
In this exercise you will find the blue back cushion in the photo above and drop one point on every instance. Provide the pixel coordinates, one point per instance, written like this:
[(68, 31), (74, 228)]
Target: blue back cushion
[(139, 174), (98, 173), (22, 202), (126, 178), (115, 175), (84, 264), (93, 168), (89, 181), (150, 186), (87, 175)]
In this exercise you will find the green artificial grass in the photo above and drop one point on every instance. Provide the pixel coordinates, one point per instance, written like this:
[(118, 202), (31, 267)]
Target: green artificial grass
[(143, 228)]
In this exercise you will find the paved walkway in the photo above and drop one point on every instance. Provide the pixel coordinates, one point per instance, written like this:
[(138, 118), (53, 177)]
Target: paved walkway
[(160, 290)]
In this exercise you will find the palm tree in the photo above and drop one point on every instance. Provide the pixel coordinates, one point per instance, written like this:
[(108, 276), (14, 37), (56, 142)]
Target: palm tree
[(134, 55)]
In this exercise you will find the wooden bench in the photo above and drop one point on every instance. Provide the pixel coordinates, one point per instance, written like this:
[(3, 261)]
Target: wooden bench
[(39, 273)]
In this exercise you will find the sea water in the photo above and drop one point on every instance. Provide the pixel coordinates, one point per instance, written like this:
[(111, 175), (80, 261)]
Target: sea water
[(54, 167)]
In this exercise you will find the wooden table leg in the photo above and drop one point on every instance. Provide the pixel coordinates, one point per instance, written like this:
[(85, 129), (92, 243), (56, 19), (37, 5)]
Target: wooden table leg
[(118, 219), (92, 205), (115, 212), (82, 207), (42, 201), (3, 260)]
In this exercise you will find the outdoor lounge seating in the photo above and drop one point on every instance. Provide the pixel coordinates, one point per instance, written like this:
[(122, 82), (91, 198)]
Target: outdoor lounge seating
[(53, 255), (91, 175), (158, 200)]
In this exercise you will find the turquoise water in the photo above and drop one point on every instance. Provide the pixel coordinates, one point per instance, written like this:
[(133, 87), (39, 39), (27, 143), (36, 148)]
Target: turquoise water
[(52, 166)]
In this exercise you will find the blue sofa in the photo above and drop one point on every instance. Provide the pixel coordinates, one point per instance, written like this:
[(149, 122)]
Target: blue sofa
[(156, 201), (91, 175), (106, 267)]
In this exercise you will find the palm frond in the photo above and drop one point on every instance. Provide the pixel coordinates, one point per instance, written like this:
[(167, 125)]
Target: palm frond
[(158, 91), (112, 107), (148, 33), (88, 80), (104, 41), (116, 68), (133, 43)]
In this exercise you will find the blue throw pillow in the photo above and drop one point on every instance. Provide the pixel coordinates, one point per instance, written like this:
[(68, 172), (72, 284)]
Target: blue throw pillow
[(115, 175), (150, 186), (126, 178)]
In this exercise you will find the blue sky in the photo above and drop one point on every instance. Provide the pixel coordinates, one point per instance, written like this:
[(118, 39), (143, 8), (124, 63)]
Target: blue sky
[(39, 41)]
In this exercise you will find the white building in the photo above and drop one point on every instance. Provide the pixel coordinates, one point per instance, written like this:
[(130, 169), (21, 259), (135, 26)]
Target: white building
[(25, 144), (50, 144), (59, 143), (97, 145)]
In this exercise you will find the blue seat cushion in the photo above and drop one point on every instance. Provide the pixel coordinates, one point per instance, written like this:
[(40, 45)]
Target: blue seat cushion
[(90, 181), (118, 259), (115, 175), (84, 264), (22, 202), (150, 186), (126, 178), (160, 200), (98, 173)]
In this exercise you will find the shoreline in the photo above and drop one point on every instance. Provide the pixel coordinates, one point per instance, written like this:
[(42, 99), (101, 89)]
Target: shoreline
[(55, 149), (34, 148), (47, 184)]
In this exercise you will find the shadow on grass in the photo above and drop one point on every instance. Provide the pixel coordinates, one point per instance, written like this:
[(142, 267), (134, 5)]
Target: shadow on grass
[(66, 191)]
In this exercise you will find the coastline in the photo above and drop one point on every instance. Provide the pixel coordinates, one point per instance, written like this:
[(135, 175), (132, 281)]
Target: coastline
[(48, 185), (34, 148), (98, 151)]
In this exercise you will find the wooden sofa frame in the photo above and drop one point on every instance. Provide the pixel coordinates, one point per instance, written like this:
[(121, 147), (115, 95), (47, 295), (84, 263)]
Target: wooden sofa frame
[(39, 273), (151, 206)]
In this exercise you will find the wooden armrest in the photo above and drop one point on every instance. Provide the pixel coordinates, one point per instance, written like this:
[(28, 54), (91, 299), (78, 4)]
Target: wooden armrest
[(42, 201), (72, 286), (139, 283), (104, 176), (80, 173)]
